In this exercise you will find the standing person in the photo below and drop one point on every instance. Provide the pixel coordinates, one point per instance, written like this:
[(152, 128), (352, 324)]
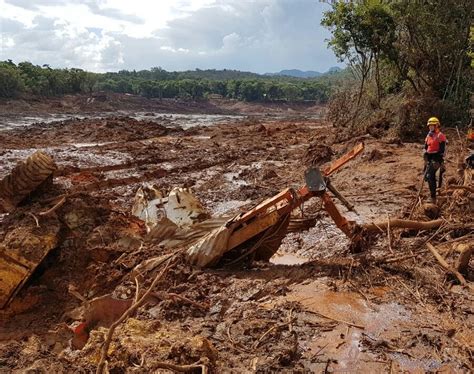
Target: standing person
[(435, 146)]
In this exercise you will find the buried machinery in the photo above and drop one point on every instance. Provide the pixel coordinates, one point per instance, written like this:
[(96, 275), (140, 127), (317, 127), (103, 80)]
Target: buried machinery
[(207, 241), (257, 234)]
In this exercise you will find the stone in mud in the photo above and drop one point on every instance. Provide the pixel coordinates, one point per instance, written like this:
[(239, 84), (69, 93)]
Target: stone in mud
[(194, 349), (269, 174), (432, 211), (374, 155)]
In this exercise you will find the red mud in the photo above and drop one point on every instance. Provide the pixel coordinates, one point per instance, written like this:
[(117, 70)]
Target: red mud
[(322, 310)]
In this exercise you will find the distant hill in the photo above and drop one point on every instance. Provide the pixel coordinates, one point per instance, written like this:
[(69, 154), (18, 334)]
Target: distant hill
[(157, 73), (304, 74), (224, 74), (334, 69)]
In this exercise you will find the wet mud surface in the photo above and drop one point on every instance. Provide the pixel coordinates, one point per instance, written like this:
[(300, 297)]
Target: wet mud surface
[(315, 307)]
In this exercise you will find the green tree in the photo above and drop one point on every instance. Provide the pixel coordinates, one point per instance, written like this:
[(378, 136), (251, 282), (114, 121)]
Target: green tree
[(218, 87), (76, 79), (89, 82), (123, 85), (292, 92), (432, 41), (46, 81), (233, 89), (363, 33), (273, 91), (252, 90), (11, 82), (415, 47)]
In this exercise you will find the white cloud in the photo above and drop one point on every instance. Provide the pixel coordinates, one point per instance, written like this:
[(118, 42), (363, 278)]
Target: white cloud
[(231, 42), (8, 42), (174, 50), (100, 35)]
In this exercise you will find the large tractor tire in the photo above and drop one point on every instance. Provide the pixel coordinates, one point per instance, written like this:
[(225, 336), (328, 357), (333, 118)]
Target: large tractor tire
[(25, 177), (23, 242)]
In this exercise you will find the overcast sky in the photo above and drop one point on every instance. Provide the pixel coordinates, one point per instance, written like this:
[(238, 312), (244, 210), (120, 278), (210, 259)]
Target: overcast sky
[(108, 35)]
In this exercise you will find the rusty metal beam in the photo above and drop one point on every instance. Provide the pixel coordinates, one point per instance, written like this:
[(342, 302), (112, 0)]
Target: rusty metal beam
[(336, 165)]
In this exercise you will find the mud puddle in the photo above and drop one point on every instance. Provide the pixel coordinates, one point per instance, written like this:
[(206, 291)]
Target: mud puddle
[(90, 145), (19, 121), (322, 240), (361, 327), (227, 207), (233, 179), (185, 121), (79, 156)]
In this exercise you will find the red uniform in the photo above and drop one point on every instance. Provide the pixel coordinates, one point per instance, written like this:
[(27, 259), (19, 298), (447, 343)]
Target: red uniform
[(434, 142), (435, 145)]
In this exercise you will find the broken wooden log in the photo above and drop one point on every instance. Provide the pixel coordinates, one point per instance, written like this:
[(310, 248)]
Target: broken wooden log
[(445, 265), (402, 224), (465, 252), (465, 188), (455, 188)]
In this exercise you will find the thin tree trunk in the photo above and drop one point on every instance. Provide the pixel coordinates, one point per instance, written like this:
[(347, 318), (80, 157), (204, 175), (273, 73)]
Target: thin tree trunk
[(377, 79)]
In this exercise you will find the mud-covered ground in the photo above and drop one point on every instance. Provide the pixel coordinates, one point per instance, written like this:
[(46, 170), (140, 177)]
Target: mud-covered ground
[(316, 307)]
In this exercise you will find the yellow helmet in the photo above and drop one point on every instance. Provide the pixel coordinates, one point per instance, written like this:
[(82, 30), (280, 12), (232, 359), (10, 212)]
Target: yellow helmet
[(433, 121)]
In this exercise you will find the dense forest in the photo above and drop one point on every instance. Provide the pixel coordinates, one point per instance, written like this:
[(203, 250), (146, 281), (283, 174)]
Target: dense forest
[(25, 77), (412, 60)]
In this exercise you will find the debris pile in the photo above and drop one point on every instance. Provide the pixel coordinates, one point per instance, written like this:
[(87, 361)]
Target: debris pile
[(317, 154)]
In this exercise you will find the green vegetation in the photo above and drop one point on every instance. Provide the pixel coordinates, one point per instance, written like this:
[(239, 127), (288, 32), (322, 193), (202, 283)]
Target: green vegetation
[(158, 83), (416, 52)]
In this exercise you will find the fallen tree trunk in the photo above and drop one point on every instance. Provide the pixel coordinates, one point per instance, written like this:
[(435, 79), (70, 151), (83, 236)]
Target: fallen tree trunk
[(445, 265), (402, 224), (463, 188), (465, 252)]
